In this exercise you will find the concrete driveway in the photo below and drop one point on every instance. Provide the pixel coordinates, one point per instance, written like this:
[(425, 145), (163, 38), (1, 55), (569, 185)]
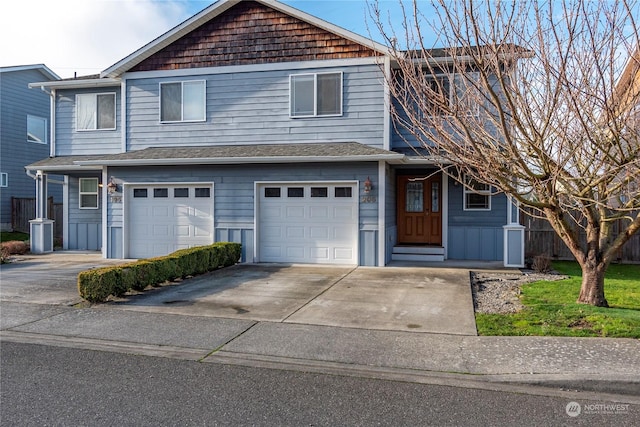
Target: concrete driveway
[(436, 300), (418, 299), (48, 278)]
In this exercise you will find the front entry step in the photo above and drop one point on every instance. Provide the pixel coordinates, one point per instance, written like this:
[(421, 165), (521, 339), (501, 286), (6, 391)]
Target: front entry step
[(418, 253)]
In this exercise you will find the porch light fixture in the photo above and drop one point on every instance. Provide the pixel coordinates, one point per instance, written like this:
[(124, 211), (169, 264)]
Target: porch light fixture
[(368, 185), (112, 187)]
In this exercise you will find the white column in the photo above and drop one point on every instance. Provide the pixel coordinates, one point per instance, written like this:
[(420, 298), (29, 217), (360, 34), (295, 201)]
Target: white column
[(41, 228)]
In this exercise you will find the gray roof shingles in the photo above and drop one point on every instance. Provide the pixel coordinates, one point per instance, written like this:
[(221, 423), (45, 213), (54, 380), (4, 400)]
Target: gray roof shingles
[(209, 154)]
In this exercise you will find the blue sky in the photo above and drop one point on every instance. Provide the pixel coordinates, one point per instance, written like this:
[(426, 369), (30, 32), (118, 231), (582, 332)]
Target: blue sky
[(87, 36)]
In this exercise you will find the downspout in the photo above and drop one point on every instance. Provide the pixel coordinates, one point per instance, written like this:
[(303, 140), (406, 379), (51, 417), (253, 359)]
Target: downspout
[(52, 120)]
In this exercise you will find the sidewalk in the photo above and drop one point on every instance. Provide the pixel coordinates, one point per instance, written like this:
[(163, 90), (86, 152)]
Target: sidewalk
[(343, 321), (593, 364)]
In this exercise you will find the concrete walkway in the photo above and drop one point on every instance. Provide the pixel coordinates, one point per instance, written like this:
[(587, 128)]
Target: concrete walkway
[(291, 341)]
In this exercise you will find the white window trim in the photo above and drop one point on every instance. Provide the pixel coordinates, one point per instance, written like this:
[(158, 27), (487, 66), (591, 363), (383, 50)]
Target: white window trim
[(46, 129), (81, 193), (315, 95), (466, 190), (182, 82), (115, 117), (4, 179)]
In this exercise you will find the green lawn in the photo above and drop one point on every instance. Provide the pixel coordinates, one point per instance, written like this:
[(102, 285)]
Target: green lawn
[(551, 309), (6, 236)]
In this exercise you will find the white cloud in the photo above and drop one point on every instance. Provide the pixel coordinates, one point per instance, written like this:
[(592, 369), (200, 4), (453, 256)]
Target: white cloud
[(83, 36)]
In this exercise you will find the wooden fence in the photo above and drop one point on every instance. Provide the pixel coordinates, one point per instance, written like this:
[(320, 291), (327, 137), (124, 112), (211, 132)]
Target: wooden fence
[(24, 209), (540, 238)]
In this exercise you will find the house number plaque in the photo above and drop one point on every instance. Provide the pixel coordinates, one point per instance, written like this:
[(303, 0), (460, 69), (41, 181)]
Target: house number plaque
[(368, 199)]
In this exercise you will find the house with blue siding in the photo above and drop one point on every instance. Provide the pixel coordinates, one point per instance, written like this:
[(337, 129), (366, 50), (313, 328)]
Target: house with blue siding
[(257, 123), (24, 134)]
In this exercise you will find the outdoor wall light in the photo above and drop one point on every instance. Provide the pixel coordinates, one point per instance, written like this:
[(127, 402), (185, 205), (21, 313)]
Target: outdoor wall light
[(368, 185), (112, 187)]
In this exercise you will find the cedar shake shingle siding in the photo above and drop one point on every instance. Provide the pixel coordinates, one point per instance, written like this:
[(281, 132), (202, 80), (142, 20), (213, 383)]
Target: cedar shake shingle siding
[(250, 33)]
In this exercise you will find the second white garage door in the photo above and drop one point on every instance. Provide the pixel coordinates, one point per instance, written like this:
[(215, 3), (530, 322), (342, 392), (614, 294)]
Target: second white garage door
[(308, 223), (165, 218)]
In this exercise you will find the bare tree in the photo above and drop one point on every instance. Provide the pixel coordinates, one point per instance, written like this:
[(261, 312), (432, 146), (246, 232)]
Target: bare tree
[(523, 98)]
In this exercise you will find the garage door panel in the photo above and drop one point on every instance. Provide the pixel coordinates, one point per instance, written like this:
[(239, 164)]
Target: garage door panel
[(340, 212), (310, 229), (320, 253), (160, 225), (295, 253), (343, 253), (160, 230), (295, 232), (202, 231), (160, 211), (319, 232), (319, 212), (182, 230), (295, 212)]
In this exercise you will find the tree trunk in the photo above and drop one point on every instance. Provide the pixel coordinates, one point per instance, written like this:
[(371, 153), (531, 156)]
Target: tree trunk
[(592, 290)]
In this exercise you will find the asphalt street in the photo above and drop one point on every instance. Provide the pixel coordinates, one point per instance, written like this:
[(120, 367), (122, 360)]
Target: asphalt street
[(42, 385)]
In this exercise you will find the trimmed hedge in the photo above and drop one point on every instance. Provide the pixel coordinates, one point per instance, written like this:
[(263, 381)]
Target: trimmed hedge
[(98, 284)]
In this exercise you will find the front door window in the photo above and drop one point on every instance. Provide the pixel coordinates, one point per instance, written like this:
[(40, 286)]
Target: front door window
[(414, 197), (435, 197)]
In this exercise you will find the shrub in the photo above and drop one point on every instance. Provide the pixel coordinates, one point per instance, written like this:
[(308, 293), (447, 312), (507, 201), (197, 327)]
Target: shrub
[(4, 255), (541, 263), (98, 284), (15, 247)]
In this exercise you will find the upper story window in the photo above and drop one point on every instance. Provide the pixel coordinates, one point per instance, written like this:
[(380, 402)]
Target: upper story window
[(96, 111), (450, 92), (36, 129), (477, 195), (88, 193), (182, 101), (4, 179), (315, 95)]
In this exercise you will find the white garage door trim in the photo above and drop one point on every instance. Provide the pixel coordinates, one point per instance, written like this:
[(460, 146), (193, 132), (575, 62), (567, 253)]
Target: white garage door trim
[(198, 231), (333, 238)]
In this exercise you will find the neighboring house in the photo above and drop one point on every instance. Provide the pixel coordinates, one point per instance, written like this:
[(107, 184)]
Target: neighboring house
[(257, 123), (626, 109), (24, 133)]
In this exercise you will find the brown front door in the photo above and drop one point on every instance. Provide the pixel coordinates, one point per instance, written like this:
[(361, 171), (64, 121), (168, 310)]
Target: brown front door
[(420, 210)]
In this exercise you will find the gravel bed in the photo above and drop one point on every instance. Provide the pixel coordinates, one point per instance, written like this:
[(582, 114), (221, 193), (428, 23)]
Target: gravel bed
[(500, 292)]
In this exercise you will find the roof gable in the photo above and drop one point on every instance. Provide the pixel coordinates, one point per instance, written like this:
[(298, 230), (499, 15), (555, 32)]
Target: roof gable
[(232, 32)]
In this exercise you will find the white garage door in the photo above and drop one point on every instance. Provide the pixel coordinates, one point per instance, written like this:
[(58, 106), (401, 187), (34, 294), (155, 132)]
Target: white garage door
[(308, 223), (165, 218)]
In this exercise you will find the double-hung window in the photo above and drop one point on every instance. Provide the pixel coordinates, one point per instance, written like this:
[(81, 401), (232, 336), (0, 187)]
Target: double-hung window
[(88, 193), (182, 101), (477, 195), (95, 111), (36, 129), (315, 95)]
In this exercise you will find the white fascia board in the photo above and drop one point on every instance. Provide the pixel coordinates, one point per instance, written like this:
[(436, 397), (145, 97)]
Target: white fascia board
[(239, 160), (218, 8), (234, 69), (77, 84), (64, 168)]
